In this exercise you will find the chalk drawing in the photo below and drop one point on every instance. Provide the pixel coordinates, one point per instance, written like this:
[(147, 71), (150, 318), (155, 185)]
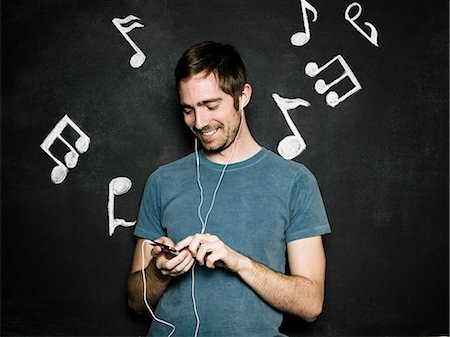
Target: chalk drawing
[(60, 171), (290, 146), (332, 98), (301, 38), (373, 38), (138, 58), (117, 186)]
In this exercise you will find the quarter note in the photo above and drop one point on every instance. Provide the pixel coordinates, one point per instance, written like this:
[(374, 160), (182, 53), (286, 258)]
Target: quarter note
[(139, 57), (290, 146), (332, 98), (117, 186), (373, 38), (301, 38), (59, 172)]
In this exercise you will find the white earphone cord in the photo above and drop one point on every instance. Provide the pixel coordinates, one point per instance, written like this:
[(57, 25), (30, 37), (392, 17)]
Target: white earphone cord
[(144, 281), (204, 223)]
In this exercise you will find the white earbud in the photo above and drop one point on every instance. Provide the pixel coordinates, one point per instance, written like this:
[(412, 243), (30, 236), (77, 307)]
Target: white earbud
[(241, 104)]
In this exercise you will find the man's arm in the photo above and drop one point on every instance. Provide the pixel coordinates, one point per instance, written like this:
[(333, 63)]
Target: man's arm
[(301, 293), (156, 281), (159, 269)]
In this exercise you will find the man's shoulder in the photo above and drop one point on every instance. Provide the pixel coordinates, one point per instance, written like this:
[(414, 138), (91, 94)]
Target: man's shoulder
[(178, 165), (287, 172), (284, 165)]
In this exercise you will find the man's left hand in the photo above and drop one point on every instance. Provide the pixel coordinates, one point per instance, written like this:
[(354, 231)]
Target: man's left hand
[(211, 252)]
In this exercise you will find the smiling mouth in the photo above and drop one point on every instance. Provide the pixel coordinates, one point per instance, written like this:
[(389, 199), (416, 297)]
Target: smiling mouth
[(205, 135), (208, 133)]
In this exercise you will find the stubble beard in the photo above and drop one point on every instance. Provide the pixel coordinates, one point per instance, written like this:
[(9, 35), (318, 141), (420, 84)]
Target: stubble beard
[(223, 144)]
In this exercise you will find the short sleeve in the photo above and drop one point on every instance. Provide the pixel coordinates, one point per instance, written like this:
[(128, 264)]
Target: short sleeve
[(308, 216), (149, 217)]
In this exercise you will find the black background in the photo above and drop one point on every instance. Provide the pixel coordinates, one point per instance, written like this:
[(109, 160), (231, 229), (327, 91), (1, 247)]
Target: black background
[(381, 156)]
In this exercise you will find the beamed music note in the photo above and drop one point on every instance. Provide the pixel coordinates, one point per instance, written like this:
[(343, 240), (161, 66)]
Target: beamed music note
[(60, 171), (321, 87)]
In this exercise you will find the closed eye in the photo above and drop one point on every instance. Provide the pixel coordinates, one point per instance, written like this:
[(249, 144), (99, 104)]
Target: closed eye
[(212, 107), (187, 110), (211, 104)]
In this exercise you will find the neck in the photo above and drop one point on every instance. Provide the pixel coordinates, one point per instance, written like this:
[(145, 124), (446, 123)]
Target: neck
[(244, 146)]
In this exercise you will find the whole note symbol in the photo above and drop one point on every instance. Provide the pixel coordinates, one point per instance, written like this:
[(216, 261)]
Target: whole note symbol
[(301, 38), (139, 57)]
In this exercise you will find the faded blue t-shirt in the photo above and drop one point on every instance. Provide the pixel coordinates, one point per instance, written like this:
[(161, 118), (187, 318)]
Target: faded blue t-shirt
[(262, 204)]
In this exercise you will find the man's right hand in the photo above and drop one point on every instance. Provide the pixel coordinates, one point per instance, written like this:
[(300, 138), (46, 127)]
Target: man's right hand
[(168, 263)]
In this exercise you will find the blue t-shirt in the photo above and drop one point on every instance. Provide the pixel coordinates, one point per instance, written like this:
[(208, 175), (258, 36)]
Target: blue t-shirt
[(262, 204)]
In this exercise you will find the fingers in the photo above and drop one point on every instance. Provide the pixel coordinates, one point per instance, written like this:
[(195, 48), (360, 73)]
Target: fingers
[(184, 243), (202, 243), (170, 264), (207, 249), (210, 252), (156, 250), (175, 266)]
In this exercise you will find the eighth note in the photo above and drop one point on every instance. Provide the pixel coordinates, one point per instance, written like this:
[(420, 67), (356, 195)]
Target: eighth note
[(139, 57), (60, 171), (117, 186), (332, 98), (290, 146), (373, 38), (301, 38)]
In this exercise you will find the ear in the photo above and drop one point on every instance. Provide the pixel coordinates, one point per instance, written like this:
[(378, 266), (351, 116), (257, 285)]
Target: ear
[(246, 95)]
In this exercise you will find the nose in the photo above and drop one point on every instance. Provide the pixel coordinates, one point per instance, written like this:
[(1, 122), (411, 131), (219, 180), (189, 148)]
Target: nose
[(201, 119)]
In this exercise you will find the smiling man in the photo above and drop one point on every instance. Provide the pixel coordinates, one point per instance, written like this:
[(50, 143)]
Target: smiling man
[(232, 211)]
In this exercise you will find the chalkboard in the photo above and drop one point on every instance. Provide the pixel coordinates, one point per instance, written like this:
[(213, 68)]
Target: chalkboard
[(380, 153)]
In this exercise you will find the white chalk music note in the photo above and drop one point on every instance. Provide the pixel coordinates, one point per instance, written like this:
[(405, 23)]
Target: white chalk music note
[(290, 146), (321, 87), (117, 186), (301, 38), (139, 57), (373, 38), (60, 171)]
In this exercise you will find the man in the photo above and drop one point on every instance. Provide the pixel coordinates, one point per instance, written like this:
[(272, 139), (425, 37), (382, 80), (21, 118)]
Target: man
[(232, 211)]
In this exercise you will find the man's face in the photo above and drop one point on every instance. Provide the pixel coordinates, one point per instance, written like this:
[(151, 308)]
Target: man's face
[(209, 112)]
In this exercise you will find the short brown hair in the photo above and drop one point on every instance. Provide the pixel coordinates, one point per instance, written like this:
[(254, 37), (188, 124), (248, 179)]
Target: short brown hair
[(220, 59)]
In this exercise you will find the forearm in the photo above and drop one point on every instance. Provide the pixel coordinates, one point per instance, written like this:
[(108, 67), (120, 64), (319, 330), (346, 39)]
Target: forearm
[(156, 285), (293, 294)]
